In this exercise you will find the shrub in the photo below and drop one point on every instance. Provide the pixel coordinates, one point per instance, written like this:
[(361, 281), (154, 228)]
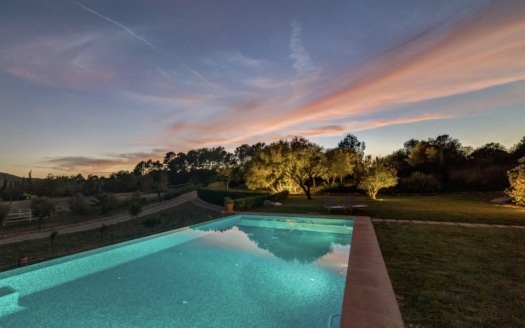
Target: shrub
[(4, 210), (106, 202), (172, 193), (420, 182), (516, 191), (150, 223), (78, 203), (135, 208), (42, 207)]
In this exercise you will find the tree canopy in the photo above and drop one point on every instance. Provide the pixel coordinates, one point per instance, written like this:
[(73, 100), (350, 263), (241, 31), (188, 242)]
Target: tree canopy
[(286, 164), (378, 175), (295, 164)]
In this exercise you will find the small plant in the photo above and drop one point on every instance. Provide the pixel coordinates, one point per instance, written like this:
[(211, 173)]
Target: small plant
[(52, 238), (42, 207), (4, 211), (228, 200), (135, 208), (105, 202), (22, 261), (151, 223), (79, 204), (103, 228)]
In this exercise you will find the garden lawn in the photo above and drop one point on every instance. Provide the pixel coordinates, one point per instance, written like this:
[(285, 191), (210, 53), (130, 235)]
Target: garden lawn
[(467, 208), (471, 208), (450, 276)]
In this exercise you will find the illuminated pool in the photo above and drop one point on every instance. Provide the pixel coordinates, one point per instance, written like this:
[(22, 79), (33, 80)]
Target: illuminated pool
[(241, 271)]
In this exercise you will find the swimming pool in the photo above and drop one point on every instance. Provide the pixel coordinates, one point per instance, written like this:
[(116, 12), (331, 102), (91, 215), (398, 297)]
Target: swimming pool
[(241, 271)]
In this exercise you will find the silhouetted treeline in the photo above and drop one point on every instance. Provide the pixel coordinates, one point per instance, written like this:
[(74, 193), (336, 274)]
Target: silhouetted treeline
[(432, 165)]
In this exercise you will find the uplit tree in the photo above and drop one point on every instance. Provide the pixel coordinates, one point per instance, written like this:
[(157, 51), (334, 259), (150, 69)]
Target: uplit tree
[(516, 191), (297, 162), (340, 164), (378, 174)]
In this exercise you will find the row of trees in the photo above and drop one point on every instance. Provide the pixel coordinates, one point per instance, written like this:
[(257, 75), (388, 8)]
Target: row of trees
[(298, 165)]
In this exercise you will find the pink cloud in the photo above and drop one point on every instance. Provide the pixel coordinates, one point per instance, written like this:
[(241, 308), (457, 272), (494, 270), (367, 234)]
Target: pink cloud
[(483, 52), (70, 61)]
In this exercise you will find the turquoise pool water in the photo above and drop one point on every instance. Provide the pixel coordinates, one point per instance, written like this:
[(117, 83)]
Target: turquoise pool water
[(241, 271)]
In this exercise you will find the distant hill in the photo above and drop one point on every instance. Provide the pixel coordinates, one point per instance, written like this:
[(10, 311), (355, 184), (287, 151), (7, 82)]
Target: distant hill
[(9, 177)]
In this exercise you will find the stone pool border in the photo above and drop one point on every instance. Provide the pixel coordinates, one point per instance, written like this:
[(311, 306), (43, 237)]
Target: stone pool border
[(369, 299)]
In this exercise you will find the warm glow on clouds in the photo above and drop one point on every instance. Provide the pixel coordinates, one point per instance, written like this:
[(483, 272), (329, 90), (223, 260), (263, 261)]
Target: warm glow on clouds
[(93, 88), (468, 58)]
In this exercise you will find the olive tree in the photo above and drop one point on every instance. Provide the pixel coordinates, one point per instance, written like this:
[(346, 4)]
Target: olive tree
[(340, 163), (286, 165), (378, 174)]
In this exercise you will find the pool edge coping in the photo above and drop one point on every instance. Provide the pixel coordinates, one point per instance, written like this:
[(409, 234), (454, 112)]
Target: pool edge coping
[(369, 299)]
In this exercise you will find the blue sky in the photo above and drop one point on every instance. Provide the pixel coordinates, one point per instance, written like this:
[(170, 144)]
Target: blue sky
[(96, 86)]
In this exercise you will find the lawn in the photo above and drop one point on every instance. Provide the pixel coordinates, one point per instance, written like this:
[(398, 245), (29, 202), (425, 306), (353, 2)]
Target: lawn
[(470, 208), (450, 276)]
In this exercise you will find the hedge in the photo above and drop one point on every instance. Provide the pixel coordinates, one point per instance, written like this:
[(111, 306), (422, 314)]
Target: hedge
[(242, 200)]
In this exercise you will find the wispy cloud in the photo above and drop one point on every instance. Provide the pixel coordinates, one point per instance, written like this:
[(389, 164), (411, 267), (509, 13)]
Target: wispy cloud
[(89, 165), (76, 60), (244, 61), (482, 53), (125, 28), (143, 40), (101, 165), (487, 51), (302, 62)]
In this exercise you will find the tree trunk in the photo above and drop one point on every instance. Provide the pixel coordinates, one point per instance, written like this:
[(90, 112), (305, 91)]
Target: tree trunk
[(306, 189)]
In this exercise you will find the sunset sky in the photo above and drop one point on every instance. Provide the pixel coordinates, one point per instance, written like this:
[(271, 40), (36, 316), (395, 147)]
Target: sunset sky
[(96, 86)]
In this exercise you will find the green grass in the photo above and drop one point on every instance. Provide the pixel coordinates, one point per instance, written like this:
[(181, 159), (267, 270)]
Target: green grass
[(472, 208), (468, 208), (450, 276)]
